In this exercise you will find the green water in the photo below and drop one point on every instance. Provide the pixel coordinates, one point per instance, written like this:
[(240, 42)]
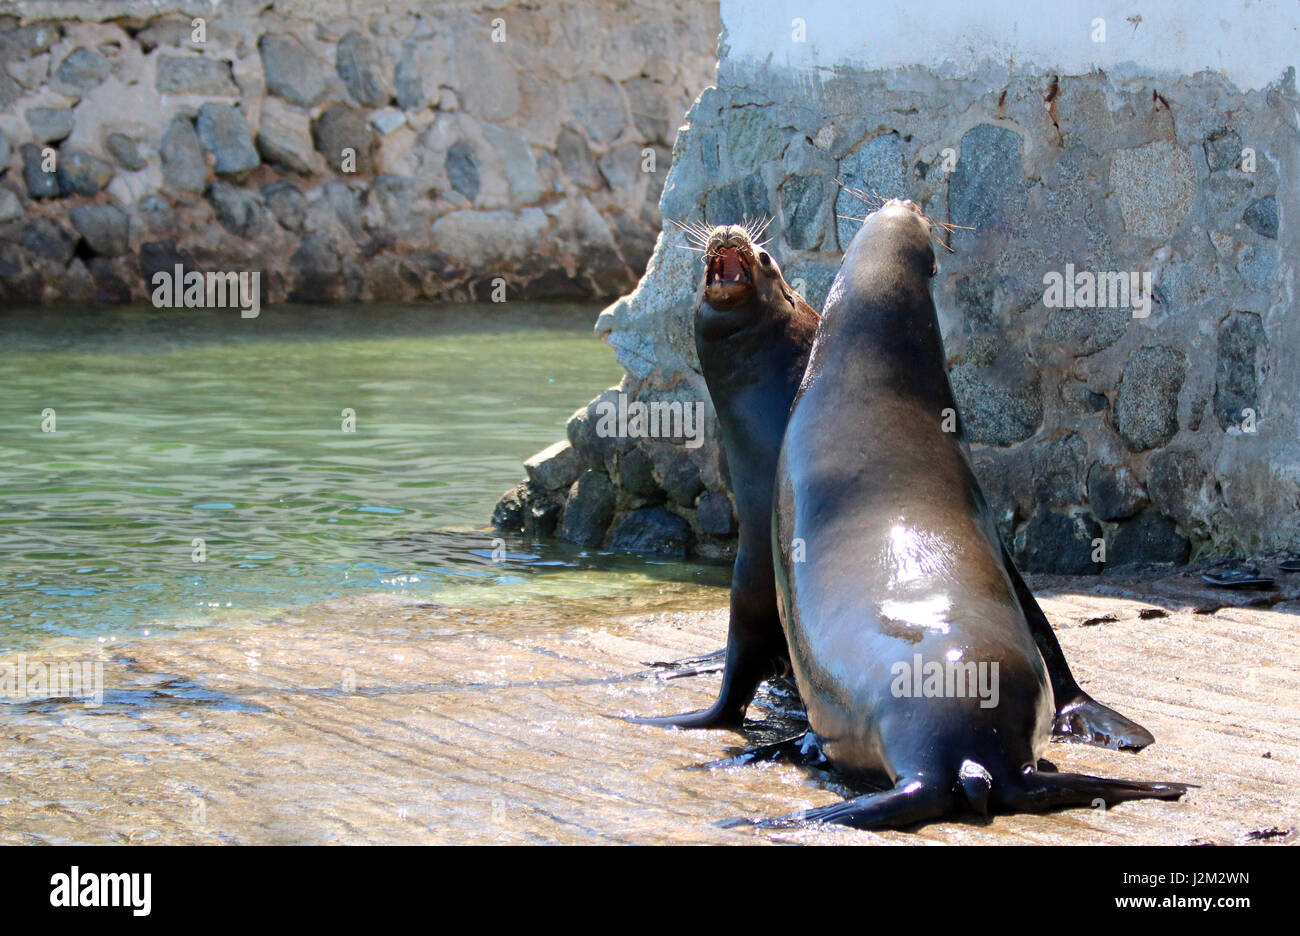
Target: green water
[(174, 426)]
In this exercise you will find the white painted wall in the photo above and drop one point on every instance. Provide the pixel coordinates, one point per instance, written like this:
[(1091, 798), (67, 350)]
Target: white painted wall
[(1252, 42)]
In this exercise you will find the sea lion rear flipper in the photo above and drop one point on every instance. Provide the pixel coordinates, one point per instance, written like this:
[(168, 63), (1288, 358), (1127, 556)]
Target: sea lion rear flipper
[(1038, 792), (907, 804), (1079, 717)]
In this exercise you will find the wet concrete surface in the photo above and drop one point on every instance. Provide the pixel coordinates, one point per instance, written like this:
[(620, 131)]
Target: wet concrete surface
[(379, 720)]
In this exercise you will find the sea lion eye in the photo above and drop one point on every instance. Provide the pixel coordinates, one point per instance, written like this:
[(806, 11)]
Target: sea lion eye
[(764, 259)]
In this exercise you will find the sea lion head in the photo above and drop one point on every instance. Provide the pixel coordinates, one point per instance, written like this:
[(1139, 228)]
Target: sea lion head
[(900, 230), (739, 271)]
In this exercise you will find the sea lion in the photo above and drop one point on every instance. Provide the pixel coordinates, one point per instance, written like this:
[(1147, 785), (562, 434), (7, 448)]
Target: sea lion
[(890, 569), (753, 332)]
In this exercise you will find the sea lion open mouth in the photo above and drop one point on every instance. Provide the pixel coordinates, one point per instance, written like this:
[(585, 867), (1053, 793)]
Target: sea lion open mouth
[(730, 277), (729, 259)]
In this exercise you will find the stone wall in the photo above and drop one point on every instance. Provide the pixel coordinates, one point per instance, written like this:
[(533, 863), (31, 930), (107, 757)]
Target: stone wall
[(492, 139), (1167, 435)]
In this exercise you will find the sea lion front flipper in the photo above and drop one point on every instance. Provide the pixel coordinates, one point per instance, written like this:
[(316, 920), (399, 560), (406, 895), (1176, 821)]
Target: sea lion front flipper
[(744, 669), (690, 666), (802, 750), (1089, 722), (1079, 717)]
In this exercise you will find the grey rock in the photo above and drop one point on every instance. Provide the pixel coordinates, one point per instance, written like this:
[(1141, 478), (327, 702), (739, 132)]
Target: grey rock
[(554, 467), (575, 158), (589, 509), (997, 408), (106, 228), (597, 103), (4, 150), (1236, 375), (1261, 216), (341, 128), (40, 184), (486, 81), (653, 530), (182, 157), (677, 472), (317, 269), (517, 160), (32, 39), (987, 186), (195, 75), (804, 201), (1061, 543), (292, 72), (49, 241), (1091, 329), (543, 518), (11, 206), (636, 475), (1222, 149), (715, 514), (1146, 405), (284, 137), (124, 149), (1058, 470), (1114, 492), (1257, 266), (875, 169), (287, 204), (83, 69), (160, 256), (237, 209), (82, 174), (166, 31), (510, 511), (387, 120), (109, 287), (1174, 480), (752, 137), (408, 81), (621, 168), (1155, 185), (1148, 538), (462, 169), (650, 113), (485, 238), (738, 202), (157, 214), (222, 129), (346, 204), (49, 124), (358, 63)]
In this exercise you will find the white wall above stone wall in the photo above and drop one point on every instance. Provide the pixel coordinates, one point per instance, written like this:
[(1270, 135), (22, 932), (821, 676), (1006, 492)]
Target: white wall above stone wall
[(1251, 42)]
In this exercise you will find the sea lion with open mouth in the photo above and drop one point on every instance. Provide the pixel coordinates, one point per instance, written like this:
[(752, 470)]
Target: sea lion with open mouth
[(753, 333), (911, 636)]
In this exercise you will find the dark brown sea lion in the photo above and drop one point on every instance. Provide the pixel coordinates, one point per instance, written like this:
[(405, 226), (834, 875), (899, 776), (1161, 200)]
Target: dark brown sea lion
[(752, 334), (911, 636)]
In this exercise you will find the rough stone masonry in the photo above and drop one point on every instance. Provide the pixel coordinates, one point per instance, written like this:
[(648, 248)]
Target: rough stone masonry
[(1165, 436), (344, 150)]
